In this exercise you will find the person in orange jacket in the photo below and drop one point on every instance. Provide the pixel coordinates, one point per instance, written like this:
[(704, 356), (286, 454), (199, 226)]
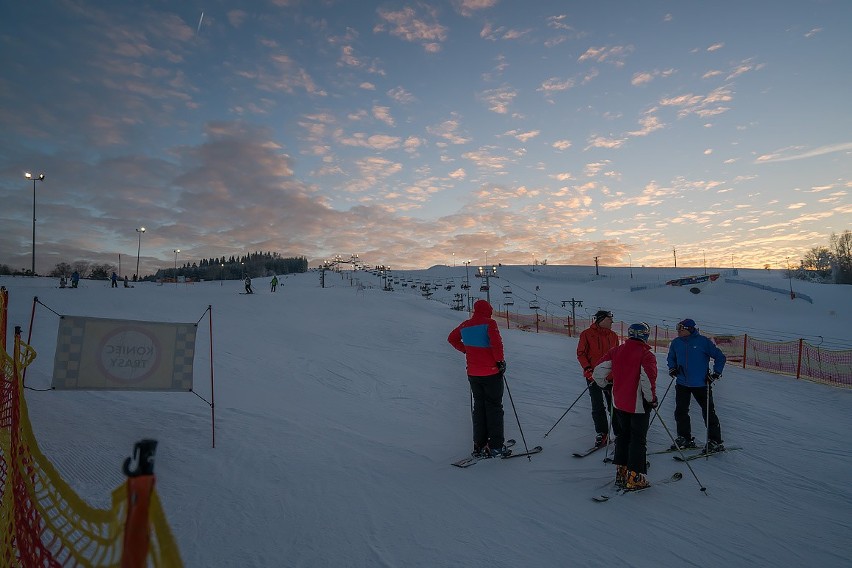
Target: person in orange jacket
[(479, 339), (594, 343)]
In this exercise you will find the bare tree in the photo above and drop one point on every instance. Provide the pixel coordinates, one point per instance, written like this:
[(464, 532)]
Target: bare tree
[(841, 246)]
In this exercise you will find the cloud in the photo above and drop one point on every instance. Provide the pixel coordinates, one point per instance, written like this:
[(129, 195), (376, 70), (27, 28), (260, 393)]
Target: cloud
[(562, 144), (410, 26), (645, 77), (498, 100), (716, 46), (605, 142), (701, 105), (400, 95), (447, 130), (468, 7), (778, 156), (382, 113), (813, 32), (614, 55)]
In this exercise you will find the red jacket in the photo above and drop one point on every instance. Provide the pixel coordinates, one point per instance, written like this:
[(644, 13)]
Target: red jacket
[(632, 369), (594, 344), (479, 339)]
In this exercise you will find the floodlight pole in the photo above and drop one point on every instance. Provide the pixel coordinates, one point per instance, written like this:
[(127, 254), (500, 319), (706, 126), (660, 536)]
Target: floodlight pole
[(39, 177)]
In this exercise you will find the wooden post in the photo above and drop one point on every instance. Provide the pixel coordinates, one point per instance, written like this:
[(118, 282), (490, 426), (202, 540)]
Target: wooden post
[(745, 349), (799, 364)]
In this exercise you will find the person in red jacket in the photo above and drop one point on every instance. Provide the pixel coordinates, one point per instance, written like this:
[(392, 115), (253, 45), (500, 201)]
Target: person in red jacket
[(479, 339), (631, 369), (594, 343)]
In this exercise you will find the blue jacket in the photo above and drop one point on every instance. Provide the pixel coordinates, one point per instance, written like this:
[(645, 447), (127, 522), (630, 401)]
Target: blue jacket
[(691, 356)]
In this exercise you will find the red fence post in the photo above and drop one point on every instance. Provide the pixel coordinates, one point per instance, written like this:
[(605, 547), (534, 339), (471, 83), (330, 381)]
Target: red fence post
[(745, 348)]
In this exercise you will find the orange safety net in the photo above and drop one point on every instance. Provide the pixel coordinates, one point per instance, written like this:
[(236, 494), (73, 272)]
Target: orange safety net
[(43, 522)]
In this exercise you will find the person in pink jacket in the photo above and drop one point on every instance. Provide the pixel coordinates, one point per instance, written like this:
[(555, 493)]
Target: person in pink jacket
[(631, 371), (479, 339)]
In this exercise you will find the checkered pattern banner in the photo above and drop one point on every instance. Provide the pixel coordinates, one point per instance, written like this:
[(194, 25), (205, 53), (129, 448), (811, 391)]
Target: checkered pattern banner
[(110, 354)]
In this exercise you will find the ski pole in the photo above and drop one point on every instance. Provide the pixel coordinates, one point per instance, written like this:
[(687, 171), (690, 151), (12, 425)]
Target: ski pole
[(569, 408), (701, 485), (671, 382), (707, 418), (518, 420), (607, 459)]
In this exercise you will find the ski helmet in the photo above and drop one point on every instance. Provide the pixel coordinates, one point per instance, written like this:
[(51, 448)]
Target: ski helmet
[(641, 331)]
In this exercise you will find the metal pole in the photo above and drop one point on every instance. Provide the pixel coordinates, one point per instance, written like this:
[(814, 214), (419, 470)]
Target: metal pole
[(34, 221)]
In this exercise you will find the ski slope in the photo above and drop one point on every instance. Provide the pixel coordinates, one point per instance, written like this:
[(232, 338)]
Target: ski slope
[(339, 410)]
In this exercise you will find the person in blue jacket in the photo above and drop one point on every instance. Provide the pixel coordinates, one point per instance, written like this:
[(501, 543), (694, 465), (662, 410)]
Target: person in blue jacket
[(688, 360)]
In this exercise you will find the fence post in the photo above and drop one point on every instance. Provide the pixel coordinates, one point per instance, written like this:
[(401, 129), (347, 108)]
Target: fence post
[(799, 364), (745, 349), (656, 327)]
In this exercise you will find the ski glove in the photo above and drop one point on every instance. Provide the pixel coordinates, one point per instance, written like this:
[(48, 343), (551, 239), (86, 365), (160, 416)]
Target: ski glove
[(587, 372), (714, 377), (673, 373), (501, 366), (654, 403)]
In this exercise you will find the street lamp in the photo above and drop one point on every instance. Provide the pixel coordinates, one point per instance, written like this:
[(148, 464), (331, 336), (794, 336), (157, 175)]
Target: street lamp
[(176, 253), (140, 230), (631, 264), (39, 177), (221, 274), (467, 279)]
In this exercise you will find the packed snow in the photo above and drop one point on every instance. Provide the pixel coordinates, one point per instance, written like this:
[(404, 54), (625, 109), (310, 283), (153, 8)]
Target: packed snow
[(338, 411)]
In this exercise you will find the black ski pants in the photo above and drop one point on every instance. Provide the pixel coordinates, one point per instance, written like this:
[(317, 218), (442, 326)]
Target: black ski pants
[(487, 410), (683, 395), (632, 439), (599, 411)]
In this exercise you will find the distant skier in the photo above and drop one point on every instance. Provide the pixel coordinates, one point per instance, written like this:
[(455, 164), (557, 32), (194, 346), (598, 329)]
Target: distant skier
[(274, 283), (631, 369), (75, 279), (62, 282), (114, 280), (688, 360), (126, 282), (248, 286), (595, 342), (479, 339)]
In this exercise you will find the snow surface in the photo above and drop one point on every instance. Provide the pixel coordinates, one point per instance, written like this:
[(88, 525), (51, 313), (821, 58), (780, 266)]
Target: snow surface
[(339, 410)]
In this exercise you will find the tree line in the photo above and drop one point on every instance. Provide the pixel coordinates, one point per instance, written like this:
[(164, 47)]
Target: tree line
[(827, 264), (254, 265)]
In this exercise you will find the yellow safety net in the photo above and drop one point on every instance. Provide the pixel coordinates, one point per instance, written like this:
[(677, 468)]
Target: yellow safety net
[(43, 522)]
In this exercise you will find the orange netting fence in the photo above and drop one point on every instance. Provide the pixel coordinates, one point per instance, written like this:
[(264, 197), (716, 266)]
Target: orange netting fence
[(797, 358), (44, 523)]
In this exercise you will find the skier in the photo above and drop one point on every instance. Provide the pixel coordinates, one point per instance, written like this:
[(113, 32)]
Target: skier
[(248, 285), (62, 282), (631, 369), (114, 280), (479, 339), (274, 283), (75, 279), (688, 360), (595, 342)]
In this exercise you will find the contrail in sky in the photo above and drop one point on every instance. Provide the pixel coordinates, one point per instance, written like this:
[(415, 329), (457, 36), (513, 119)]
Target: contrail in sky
[(199, 23)]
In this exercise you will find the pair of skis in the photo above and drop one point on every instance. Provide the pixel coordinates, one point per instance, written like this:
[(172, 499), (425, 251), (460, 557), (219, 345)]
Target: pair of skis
[(676, 476), (472, 460)]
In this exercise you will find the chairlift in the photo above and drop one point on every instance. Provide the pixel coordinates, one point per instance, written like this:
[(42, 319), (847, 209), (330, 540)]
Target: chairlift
[(534, 305), (508, 301), (483, 288), (507, 289), (465, 285)]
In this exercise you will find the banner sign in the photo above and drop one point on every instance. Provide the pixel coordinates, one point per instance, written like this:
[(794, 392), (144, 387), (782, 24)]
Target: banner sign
[(111, 354)]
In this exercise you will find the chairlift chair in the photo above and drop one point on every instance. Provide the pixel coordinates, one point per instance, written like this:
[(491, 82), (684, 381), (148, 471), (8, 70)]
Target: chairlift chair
[(534, 305), (507, 289)]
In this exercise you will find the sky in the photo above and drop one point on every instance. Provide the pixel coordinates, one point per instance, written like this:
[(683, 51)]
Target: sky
[(339, 411), (422, 133)]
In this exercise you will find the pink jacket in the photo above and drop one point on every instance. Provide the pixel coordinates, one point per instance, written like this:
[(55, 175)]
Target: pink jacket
[(632, 370)]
